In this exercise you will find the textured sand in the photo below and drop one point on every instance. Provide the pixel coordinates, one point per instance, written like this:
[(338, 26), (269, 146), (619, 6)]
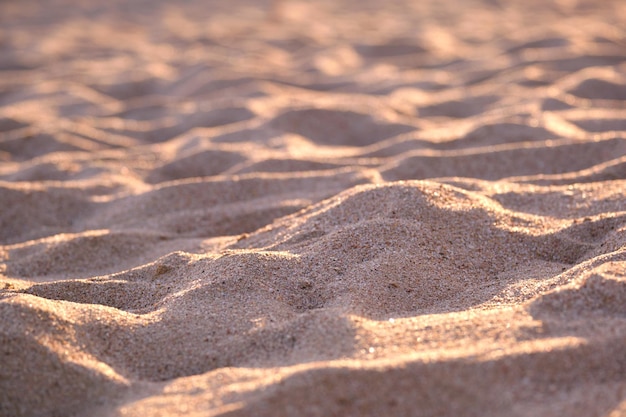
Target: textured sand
[(313, 208)]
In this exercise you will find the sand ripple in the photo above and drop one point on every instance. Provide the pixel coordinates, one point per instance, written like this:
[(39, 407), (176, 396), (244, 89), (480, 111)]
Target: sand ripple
[(312, 208)]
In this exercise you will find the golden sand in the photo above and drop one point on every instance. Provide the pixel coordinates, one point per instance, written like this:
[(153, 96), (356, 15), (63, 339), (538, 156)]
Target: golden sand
[(312, 208)]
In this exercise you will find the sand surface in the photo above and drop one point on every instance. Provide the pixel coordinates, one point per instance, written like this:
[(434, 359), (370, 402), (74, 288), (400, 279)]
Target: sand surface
[(313, 208)]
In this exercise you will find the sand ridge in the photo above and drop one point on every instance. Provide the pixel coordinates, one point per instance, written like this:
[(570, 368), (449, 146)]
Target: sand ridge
[(285, 208)]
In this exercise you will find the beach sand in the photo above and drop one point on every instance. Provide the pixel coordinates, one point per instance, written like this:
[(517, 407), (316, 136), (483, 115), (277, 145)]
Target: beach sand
[(313, 208)]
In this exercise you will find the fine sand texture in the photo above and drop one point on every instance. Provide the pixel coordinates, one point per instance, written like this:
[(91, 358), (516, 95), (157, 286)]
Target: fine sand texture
[(312, 208)]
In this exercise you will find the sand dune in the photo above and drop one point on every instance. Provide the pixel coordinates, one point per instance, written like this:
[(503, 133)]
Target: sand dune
[(312, 208)]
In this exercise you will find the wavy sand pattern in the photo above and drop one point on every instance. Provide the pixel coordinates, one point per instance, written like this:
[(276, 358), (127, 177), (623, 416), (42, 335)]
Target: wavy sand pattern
[(313, 208)]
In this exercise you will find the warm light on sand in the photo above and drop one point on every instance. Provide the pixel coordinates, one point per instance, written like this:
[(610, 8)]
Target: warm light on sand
[(312, 208)]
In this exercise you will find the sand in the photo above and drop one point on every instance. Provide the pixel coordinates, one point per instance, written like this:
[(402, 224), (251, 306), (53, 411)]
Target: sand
[(313, 208)]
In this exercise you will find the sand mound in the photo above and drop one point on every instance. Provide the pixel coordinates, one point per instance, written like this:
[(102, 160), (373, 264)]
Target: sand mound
[(312, 208)]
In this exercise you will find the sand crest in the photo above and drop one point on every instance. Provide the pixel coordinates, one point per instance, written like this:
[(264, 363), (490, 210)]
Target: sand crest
[(312, 208)]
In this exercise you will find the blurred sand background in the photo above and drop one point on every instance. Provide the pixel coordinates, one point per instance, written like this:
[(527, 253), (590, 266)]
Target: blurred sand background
[(313, 208)]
